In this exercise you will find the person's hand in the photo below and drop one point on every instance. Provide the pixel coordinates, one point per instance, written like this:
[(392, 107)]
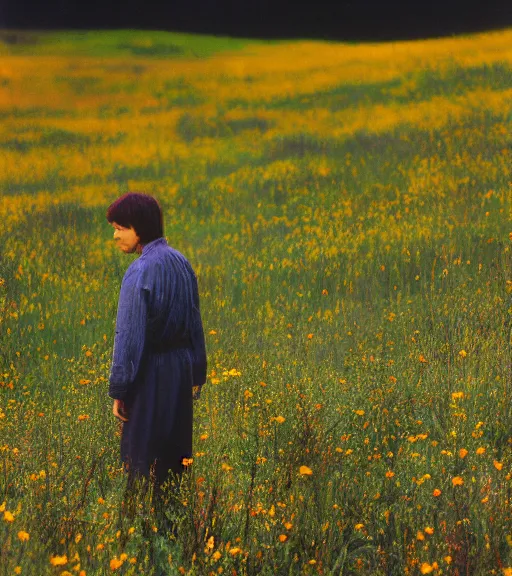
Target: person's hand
[(196, 392), (119, 410)]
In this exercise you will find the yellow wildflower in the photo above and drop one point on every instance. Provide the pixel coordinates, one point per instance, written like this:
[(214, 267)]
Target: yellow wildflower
[(59, 560), (8, 516)]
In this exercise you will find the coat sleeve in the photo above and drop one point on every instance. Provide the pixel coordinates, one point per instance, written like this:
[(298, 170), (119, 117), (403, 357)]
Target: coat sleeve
[(199, 366), (129, 341)]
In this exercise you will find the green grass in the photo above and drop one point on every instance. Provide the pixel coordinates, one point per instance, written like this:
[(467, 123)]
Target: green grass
[(355, 296), (117, 43)]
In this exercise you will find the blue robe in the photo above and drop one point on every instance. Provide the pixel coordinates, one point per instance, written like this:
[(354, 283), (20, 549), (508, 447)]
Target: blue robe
[(159, 354)]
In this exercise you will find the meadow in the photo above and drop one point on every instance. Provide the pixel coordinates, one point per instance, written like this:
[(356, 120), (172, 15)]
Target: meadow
[(346, 208)]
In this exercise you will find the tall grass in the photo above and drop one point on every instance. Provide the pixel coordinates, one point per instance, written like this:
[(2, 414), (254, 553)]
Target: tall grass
[(347, 211)]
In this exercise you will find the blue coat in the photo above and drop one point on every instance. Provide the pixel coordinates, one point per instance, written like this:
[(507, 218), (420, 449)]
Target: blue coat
[(159, 354)]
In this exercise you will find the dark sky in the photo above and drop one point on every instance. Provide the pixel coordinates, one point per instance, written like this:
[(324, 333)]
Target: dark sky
[(342, 19)]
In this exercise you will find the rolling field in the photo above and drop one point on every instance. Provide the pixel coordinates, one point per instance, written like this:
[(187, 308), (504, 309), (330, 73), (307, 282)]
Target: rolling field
[(346, 208)]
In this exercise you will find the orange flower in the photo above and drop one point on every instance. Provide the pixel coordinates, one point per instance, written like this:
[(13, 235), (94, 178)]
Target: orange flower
[(463, 452), (23, 536), (429, 530), (436, 492), (498, 465), (457, 481), (426, 568), (187, 461), (115, 563), (480, 450), (8, 516), (422, 359), (283, 537), (305, 471), (59, 560), (389, 474)]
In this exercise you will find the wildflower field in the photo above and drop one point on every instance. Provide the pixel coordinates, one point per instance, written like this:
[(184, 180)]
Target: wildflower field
[(346, 208)]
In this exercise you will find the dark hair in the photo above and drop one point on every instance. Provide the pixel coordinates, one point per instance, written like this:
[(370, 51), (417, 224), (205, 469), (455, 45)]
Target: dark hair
[(142, 212)]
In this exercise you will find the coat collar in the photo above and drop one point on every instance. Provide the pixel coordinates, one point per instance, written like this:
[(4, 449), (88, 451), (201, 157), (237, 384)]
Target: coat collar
[(153, 244)]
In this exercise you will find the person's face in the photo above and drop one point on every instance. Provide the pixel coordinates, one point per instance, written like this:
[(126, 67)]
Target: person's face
[(126, 239)]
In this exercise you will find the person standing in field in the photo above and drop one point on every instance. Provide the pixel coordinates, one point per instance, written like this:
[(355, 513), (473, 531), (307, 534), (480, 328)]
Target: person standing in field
[(159, 356)]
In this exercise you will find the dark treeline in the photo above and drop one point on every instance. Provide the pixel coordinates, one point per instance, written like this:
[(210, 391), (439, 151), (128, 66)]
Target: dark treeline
[(337, 19)]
